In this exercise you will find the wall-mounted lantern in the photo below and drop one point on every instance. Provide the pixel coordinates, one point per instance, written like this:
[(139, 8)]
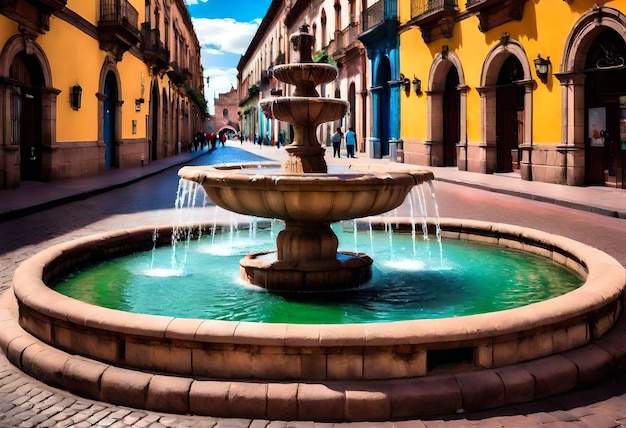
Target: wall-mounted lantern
[(405, 83), (138, 103), (417, 85), (542, 66), (76, 93)]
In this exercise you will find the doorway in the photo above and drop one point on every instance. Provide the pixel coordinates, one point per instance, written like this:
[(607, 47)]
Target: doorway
[(26, 117), (605, 106), (510, 105), (108, 128), (451, 117)]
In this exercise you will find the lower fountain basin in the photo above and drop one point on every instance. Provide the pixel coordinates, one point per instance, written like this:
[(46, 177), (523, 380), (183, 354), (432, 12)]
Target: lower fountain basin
[(383, 371)]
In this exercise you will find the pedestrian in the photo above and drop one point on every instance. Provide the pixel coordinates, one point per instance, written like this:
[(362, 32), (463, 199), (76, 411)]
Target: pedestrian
[(350, 142), (336, 140)]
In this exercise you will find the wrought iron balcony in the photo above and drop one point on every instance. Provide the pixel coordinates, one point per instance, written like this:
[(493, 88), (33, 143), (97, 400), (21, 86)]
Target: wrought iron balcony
[(178, 75), (154, 52), (492, 13), (379, 22), (33, 15), (378, 13), (117, 27), (346, 42), (434, 17)]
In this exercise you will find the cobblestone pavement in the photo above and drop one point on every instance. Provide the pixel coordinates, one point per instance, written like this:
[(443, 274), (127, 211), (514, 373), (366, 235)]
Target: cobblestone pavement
[(25, 402)]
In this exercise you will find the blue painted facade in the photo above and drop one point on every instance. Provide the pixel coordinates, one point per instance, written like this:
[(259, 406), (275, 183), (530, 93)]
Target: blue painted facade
[(380, 38)]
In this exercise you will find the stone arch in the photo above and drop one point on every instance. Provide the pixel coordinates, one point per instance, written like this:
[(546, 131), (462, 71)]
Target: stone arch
[(484, 158), (439, 69), (8, 163), (572, 79)]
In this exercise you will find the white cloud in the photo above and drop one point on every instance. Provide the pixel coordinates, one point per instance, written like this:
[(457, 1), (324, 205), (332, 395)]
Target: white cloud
[(220, 37), (226, 34)]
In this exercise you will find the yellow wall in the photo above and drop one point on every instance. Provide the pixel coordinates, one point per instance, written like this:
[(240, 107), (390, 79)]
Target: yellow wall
[(8, 28), (544, 29), (68, 68)]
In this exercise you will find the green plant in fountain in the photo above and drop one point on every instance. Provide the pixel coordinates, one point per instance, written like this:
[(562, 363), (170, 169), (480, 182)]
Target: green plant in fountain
[(323, 57)]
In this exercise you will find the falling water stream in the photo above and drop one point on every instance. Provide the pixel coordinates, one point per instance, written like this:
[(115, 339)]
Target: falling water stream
[(413, 275)]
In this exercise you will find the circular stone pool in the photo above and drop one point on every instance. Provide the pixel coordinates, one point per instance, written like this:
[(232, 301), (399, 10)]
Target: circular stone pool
[(412, 279), (324, 372)]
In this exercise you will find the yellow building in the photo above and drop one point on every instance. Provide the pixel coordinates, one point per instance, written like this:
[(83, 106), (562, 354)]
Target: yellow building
[(90, 86), (535, 87)]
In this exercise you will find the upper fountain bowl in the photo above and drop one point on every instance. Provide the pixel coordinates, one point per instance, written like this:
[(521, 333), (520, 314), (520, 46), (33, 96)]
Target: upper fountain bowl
[(305, 197), (302, 73)]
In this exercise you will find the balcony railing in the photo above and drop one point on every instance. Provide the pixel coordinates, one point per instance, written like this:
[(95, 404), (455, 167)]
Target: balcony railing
[(492, 13), (154, 51), (34, 15), (345, 40), (379, 12), (435, 18), (421, 7), (117, 27), (120, 11)]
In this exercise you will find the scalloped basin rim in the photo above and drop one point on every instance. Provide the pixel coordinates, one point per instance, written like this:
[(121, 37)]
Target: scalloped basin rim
[(250, 176)]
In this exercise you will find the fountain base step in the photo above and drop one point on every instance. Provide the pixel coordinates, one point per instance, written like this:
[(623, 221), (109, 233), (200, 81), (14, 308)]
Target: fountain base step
[(349, 270)]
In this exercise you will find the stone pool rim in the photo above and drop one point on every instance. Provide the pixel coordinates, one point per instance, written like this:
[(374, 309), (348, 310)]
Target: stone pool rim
[(227, 361)]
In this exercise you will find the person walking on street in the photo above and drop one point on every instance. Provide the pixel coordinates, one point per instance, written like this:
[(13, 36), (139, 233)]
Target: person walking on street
[(350, 142), (336, 140)]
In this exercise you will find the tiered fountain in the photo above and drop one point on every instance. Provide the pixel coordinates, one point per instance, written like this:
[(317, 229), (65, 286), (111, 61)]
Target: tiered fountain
[(303, 194), (285, 371)]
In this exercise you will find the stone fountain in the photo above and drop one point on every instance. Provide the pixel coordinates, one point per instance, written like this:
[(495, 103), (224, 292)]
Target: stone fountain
[(303, 193), (317, 372)]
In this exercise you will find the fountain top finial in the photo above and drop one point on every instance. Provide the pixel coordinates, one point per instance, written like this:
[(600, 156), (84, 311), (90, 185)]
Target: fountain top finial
[(303, 43)]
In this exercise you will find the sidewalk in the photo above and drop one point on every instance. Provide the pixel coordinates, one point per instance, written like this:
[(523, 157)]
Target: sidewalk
[(36, 196)]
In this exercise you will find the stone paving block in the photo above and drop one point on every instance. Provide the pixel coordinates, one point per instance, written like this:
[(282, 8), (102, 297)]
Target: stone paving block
[(321, 402), (128, 387), (248, 399), (519, 385), (44, 365), (428, 396), (169, 394), (594, 363), (82, 377), (282, 401), (553, 375), (367, 404), (482, 389), (209, 398)]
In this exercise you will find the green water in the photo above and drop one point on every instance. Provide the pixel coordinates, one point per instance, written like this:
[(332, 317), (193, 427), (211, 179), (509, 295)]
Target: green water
[(412, 279)]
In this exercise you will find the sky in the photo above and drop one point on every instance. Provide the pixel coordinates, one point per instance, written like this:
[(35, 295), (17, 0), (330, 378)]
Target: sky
[(224, 29)]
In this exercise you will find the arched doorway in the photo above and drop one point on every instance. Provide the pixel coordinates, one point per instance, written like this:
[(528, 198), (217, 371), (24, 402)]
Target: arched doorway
[(451, 117), (352, 117), (509, 113), (605, 102), (109, 120), (26, 114), (154, 121), (164, 123), (383, 105)]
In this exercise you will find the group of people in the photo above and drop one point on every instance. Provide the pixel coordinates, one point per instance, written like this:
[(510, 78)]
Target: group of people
[(336, 139), (210, 138)]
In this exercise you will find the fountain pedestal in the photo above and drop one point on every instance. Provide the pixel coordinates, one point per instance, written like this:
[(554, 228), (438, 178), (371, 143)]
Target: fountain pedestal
[(306, 259)]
